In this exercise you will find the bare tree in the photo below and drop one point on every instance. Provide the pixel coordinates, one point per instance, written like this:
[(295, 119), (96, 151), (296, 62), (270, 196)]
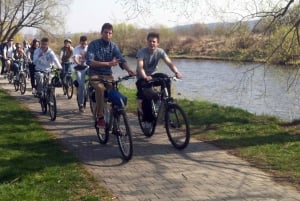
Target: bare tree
[(36, 14)]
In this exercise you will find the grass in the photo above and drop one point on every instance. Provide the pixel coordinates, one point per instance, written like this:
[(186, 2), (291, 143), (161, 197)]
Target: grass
[(264, 141), (35, 166)]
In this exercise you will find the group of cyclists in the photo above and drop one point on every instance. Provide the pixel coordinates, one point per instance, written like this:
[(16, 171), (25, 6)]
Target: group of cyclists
[(95, 59)]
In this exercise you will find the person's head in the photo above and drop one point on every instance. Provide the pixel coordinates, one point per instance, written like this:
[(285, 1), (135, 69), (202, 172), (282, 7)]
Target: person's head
[(83, 41), (153, 40), (25, 43), (18, 47), (35, 43), (10, 42), (67, 42), (44, 43), (107, 31)]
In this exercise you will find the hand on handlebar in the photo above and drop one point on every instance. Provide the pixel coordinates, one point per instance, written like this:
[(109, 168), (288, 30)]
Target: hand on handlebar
[(178, 75)]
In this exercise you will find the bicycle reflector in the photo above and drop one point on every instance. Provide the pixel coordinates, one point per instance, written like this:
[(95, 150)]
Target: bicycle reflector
[(117, 98)]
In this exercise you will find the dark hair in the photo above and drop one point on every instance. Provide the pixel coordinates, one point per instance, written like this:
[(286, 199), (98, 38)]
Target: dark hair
[(83, 38), (18, 44), (45, 40), (107, 26), (35, 41), (153, 35)]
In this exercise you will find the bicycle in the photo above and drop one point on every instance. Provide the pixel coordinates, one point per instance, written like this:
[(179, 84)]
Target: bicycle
[(20, 79), (165, 109), (47, 96), (115, 117), (67, 84)]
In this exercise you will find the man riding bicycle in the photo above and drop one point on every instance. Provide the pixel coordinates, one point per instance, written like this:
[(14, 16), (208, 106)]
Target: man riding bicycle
[(147, 61), (102, 55), (43, 58)]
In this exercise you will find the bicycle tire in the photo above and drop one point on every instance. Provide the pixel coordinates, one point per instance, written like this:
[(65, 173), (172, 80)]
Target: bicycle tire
[(84, 100), (16, 85), (92, 101), (124, 135), (10, 77), (22, 83), (69, 87), (148, 128), (177, 126), (43, 104), (52, 104), (103, 133)]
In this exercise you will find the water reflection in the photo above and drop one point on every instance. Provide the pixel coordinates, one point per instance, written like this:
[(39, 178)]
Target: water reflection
[(257, 88)]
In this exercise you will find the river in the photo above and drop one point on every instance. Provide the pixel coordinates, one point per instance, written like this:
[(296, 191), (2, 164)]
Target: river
[(254, 87)]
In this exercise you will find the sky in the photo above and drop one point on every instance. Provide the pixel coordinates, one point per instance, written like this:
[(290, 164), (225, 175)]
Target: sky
[(89, 15)]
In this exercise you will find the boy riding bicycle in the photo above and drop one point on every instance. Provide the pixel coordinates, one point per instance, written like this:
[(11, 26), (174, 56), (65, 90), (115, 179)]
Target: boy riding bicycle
[(147, 61)]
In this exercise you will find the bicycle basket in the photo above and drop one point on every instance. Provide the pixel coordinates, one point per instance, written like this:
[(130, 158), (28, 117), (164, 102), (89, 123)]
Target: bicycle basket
[(117, 98), (150, 93), (56, 82)]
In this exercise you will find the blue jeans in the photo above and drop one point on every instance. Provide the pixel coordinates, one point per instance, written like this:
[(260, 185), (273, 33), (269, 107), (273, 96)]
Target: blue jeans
[(81, 91)]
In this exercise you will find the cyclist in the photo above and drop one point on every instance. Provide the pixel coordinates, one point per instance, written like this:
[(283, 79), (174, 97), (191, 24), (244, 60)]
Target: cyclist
[(66, 53), (2, 46), (147, 61), (35, 44), (79, 58), (18, 59), (8, 53), (44, 58), (102, 55)]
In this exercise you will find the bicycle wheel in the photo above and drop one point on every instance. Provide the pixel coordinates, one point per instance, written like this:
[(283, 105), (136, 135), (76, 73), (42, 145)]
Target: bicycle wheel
[(16, 84), (103, 133), (124, 136), (22, 83), (43, 104), (177, 126), (10, 77), (92, 102), (52, 104), (69, 87), (148, 128)]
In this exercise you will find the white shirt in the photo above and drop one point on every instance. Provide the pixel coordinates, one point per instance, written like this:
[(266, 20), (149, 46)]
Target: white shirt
[(45, 62), (80, 53)]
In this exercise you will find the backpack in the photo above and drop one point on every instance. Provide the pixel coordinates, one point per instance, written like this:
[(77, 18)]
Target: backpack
[(2, 46)]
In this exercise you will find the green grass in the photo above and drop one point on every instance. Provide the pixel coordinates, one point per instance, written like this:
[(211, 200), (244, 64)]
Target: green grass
[(264, 141), (34, 165)]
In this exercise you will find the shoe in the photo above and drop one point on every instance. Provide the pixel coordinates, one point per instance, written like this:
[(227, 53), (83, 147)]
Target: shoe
[(33, 91), (81, 108), (101, 122)]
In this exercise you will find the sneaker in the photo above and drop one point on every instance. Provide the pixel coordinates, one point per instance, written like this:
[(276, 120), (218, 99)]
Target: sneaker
[(33, 91), (101, 123), (81, 108)]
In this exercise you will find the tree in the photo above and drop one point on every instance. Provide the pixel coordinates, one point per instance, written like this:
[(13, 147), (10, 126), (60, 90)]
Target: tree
[(37, 14)]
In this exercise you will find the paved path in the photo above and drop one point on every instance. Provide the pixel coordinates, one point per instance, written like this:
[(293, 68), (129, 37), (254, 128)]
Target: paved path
[(157, 171)]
